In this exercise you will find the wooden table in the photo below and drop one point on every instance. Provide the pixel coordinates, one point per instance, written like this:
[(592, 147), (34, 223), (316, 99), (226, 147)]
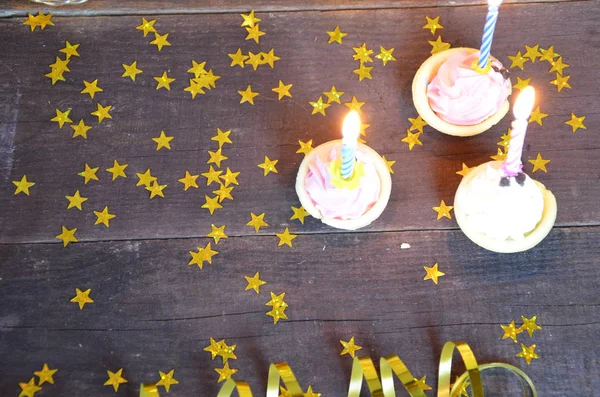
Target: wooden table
[(153, 312)]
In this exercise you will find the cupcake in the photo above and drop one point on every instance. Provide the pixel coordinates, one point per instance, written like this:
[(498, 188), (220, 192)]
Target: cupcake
[(503, 213), (338, 206), (454, 98)]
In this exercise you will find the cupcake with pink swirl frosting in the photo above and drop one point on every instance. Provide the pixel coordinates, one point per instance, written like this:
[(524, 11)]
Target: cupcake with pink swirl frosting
[(454, 98), (343, 208)]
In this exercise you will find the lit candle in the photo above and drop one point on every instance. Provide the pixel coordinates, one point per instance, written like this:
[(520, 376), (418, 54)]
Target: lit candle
[(521, 109), (350, 133), (488, 33)]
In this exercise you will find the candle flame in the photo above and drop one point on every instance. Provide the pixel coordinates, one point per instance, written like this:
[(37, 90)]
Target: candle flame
[(351, 127), (494, 3), (524, 103)]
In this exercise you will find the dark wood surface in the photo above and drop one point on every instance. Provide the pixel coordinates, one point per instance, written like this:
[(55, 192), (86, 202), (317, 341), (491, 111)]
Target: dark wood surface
[(154, 312)]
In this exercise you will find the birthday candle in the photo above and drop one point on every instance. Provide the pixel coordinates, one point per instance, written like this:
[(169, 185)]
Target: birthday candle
[(521, 109), (488, 33), (350, 133)]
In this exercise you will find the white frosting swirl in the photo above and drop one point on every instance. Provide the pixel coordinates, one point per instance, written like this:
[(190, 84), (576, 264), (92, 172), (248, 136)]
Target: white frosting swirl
[(501, 212)]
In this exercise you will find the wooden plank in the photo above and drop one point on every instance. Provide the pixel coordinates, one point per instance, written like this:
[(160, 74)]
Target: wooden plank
[(15, 8), (422, 178), (153, 312)]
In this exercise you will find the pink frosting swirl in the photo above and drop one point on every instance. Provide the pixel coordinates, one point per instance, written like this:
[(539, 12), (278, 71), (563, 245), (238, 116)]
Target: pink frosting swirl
[(462, 96), (341, 203)]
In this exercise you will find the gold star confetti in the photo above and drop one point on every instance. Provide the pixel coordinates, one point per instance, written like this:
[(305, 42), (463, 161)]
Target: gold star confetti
[(248, 95), (223, 192), (529, 325), (164, 81), (194, 88), (335, 36), (117, 170), (532, 53), (421, 383), (268, 166), (163, 141), (363, 72), (279, 306), (254, 59), (222, 137), (115, 379), (465, 170), (102, 112), (91, 88), (212, 175), (80, 129), (282, 90), (82, 297), (349, 347), (254, 282), (30, 388), (217, 233), (23, 185), (160, 41), (214, 348), (412, 139), (207, 80), (238, 58), (167, 379), (522, 83), (417, 124), (156, 190), (67, 236), (104, 217), (269, 58), (62, 117), (285, 238), (147, 26), (45, 374), (226, 351), (189, 180), (539, 163), (225, 373), (433, 24), (362, 54), (216, 157), (438, 45), (89, 174), (131, 70), (432, 273), (528, 353), (197, 69), (561, 82), (518, 61), (203, 255), (385, 55), (505, 139), (75, 201), (299, 213), (60, 65), (510, 331), (354, 104), (32, 21), (463, 388), (145, 179), (499, 156), (333, 95), (230, 177), (537, 116), (44, 19), (319, 106), (211, 203), (311, 393), (549, 54), (257, 221), (576, 122), (55, 75), (305, 147), (443, 210), (389, 164), (249, 19), (254, 33), (558, 66)]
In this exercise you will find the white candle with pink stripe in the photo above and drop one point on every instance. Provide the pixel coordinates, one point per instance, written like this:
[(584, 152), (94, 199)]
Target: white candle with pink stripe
[(522, 110)]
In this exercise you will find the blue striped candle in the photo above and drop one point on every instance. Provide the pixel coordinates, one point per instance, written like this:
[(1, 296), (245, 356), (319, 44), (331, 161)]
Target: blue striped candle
[(488, 33), (350, 133)]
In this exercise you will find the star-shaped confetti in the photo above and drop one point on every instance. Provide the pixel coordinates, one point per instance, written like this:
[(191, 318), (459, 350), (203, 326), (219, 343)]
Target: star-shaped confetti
[(23, 185), (537, 115), (211, 204), (269, 58), (80, 129), (389, 164), (249, 19), (558, 66), (417, 124), (254, 60), (278, 304), (82, 297), (533, 53), (226, 351), (354, 104), (230, 177), (305, 147), (561, 82), (194, 89), (499, 156), (198, 69), (257, 221), (333, 95), (44, 19), (285, 238), (102, 112), (217, 233), (145, 179), (163, 141), (521, 83), (299, 213), (115, 379), (510, 331), (117, 170), (30, 388), (433, 24), (222, 137), (548, 54), (576, 122), (62, 117), (160, 41), (248, 95), (55, 75), (465, 170), (438, 45), (189, 180), (362, 54), (164, 81), (223, 192), (45, 374), (104, 217), (216, 157), (539, 163), (336, 35), (167, 379), (131, 70), (203, 255), (528, 353), (268, 166), (363, 72), (282, 90), (350, 347), (518, 61), (529, 325), (147, 26), (60, 65), (432, 273), (91, 88), (412, 139), (67, 236), (32, 21), (212, 175), (463, 388), (421, 383), (254, 33), (254, 282), (214, 348), (319, 106), (443, 210), (156, 189), (385, 55), (225, 373), (89, 174), (505, 139), (75, 201), (238, 58)]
